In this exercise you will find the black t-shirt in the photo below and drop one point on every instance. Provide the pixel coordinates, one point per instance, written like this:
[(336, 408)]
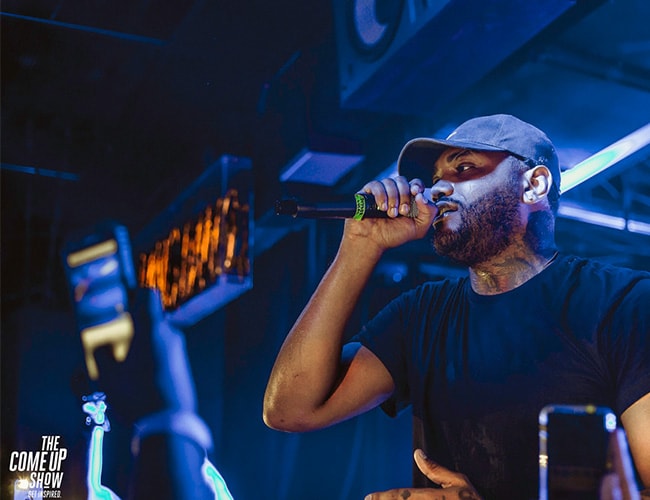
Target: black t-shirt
[(478, 369)]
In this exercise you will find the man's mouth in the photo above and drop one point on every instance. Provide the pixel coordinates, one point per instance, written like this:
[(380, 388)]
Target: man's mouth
[(444, 209)]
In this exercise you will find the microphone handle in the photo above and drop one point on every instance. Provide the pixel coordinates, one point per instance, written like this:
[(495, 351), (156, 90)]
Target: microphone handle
[(364, 208)]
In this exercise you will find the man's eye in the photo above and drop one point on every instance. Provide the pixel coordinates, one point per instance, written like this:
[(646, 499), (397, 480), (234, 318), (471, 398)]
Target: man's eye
[(463, 167)]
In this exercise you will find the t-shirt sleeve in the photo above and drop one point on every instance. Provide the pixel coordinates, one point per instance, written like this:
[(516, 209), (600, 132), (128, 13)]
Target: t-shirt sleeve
[(630, 352), (386, 336)]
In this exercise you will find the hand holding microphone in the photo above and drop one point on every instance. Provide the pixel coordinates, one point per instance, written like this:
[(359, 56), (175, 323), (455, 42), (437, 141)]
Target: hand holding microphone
[(396, 196), (377, 200), (392, 198)]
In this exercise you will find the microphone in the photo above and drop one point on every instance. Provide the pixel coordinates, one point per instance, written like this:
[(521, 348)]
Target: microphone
[(363, 207)]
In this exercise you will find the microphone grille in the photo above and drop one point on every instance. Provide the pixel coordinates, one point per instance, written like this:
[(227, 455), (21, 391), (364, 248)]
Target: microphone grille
[(413, 209)]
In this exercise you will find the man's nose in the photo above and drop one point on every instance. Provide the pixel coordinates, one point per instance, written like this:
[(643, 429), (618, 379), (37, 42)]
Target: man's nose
[(441, 188)]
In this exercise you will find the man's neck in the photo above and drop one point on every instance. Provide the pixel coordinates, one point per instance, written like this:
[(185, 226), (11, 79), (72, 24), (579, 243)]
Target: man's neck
[(508, 270)]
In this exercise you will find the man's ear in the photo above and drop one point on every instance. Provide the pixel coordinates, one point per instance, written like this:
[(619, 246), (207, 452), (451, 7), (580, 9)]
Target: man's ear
[(537, 183)]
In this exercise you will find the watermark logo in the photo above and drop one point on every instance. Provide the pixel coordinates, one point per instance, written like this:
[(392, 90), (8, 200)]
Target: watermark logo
[(39, 473)]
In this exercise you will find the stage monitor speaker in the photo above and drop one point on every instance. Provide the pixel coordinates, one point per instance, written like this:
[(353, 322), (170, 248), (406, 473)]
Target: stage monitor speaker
[(410, 56)]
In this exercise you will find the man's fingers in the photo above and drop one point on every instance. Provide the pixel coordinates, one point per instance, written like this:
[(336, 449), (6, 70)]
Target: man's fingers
[(459, 493), (394, 194), (437, 473), (426, 208), (416, 494)]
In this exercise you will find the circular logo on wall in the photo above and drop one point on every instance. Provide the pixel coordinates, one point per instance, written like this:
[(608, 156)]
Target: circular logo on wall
[(372, 25)]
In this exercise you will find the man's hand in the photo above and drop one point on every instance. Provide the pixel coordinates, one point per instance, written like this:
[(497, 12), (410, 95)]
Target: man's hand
[(394, 195), (455, 486)]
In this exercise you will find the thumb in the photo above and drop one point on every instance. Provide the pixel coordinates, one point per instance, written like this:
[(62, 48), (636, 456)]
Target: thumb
[(426, 207), (437, 473)]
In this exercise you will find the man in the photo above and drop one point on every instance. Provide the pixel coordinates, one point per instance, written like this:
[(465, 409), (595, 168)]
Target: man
[(476, 358)]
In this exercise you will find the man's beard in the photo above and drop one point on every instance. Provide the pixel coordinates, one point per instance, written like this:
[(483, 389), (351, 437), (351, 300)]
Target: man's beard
[(486, 229)]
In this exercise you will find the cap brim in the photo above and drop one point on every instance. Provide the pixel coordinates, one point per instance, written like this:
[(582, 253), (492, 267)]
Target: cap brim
[(418, 156)]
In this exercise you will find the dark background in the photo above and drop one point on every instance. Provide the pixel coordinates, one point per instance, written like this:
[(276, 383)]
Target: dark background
[(113, 109)]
